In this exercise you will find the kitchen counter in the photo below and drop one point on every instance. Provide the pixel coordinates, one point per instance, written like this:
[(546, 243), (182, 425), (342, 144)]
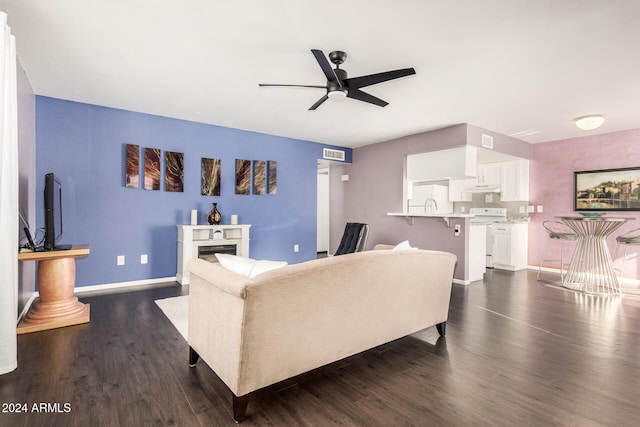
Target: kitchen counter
[(445, 216), (434, 215), (514, 221)]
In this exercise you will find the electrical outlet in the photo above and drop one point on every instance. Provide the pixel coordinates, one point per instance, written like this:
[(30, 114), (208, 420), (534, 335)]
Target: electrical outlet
[(144, 258), (296, 248), (120, 260), (456, 230), (521, 209), (531, 209), (539, 209)]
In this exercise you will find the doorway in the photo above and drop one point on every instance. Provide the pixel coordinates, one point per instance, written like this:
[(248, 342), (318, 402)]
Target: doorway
[(323, 199)]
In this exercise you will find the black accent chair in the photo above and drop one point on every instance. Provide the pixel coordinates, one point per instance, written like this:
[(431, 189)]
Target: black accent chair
[(354, 238)]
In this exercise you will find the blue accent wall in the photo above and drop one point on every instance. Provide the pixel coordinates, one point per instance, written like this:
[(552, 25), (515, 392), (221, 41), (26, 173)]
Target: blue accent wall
[(84, 145)]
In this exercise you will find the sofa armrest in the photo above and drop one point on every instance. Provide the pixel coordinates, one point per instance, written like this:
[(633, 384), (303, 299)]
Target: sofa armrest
[(228, 281)]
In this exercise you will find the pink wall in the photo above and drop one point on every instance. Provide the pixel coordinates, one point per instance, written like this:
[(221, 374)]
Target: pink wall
[(551, 184)]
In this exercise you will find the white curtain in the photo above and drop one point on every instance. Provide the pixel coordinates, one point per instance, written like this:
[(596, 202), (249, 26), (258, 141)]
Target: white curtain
[(8, 199)]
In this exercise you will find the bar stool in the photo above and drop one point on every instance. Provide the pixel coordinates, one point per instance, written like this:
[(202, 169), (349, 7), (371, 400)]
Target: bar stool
[(556, 231), (629, 238)]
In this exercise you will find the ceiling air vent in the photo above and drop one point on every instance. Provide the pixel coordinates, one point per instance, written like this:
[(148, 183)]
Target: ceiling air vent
[(487, 141), (330, 154)]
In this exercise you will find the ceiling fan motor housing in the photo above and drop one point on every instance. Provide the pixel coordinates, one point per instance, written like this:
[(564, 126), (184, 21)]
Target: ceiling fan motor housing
[(333, 86)]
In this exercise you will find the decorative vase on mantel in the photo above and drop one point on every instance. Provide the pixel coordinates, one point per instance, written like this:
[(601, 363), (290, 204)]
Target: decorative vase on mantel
[(214, 217)]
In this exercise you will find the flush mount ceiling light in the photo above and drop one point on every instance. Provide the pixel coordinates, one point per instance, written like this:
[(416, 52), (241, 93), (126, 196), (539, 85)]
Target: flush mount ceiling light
[(589, 122)]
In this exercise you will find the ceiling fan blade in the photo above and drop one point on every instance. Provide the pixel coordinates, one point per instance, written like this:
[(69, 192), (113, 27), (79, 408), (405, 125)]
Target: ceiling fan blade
[(279, 85), (365, 97), (371, 79), (326, 67), (319, 102)]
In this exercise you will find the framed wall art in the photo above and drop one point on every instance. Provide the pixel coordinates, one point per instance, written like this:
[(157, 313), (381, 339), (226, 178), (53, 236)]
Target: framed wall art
[(243, 176), (607, 190), (259, 177), (273, 173), (174, 171), (211, 177), (152, 169), (132, 168)]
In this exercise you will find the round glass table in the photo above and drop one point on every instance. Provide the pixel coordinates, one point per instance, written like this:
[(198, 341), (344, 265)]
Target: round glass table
[(591, 267)]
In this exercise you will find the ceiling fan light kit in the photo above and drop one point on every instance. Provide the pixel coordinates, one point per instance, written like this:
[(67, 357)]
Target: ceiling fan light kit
[(339, 86), (337, 95)]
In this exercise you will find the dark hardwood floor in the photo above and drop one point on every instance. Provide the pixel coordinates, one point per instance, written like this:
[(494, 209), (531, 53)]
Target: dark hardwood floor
[(517, 352)]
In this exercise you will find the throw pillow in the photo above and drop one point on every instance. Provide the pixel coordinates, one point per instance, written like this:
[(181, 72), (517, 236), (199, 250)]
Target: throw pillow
[(262, 266), (247, 267), (403, 246), (237, 264)]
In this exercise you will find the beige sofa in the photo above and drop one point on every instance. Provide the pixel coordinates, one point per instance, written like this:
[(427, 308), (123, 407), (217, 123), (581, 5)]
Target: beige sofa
[(256, 332)]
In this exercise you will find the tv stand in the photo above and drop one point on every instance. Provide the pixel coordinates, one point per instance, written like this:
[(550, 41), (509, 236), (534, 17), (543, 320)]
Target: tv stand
[(57, 306), (57, 248)]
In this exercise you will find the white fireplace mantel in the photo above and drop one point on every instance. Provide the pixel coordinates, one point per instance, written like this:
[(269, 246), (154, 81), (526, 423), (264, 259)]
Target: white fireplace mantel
[(192, 237)]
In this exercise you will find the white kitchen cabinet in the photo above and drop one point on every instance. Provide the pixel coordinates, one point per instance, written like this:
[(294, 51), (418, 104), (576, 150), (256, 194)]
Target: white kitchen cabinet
[(442, 164), (514, 184), (457, 191), (487, 178), (489, 174), (510, 245), (477, 244)]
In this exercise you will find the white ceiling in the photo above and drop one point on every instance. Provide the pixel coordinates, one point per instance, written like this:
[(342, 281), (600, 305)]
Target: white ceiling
[(505, 65)]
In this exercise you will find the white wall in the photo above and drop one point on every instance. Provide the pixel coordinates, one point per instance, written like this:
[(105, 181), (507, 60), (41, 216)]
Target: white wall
[(323, 210), (27, 177)]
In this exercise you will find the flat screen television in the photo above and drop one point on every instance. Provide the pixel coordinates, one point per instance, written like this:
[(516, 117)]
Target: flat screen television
[(53, 213)]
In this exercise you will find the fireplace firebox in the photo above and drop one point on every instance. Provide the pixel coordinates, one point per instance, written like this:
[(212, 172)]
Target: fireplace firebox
[(208, 253)]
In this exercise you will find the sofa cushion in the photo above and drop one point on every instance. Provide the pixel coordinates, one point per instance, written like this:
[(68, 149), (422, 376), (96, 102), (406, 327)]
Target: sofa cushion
[(247, 267)]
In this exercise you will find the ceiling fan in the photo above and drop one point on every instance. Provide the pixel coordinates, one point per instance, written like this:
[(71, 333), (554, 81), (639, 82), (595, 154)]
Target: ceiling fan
[(339, 86)]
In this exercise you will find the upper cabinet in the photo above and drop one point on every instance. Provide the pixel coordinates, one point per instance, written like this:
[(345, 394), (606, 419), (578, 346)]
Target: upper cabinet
[(509, 178), (457, 190), (460, 167), (443, 164), (487, 179), (514, 184), (489, 174)]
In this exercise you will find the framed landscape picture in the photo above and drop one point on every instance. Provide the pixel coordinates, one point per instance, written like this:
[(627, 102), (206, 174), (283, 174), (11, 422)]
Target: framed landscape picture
[(607, 190)]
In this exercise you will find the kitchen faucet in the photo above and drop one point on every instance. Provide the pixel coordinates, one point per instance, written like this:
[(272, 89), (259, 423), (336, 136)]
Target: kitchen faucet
[(435, 204)]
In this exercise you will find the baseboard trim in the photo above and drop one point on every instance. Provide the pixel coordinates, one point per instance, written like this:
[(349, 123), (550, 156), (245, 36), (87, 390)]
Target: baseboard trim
[(119, 286)]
